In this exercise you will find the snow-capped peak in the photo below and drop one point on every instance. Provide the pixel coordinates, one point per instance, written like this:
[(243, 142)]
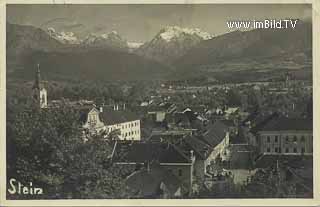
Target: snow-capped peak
[(170, 32), (64, 37), (111, 35), (111, 39), (134, 45)]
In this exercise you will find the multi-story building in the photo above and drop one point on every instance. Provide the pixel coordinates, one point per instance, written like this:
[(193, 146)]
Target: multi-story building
[(156, 155), (91, 121), (286, 136), (124, 124)]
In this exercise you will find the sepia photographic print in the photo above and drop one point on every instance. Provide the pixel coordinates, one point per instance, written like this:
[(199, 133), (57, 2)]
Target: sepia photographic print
[(175, 102)]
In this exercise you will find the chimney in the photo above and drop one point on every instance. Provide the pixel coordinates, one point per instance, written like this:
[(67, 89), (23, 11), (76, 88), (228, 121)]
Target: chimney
[(117, 107), (101, 109), (114, 107)]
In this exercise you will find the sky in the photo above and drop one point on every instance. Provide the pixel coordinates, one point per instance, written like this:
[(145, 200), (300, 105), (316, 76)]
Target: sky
[(140, 23)]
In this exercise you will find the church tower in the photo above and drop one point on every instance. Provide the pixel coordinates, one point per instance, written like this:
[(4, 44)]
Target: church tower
[(39, 91)]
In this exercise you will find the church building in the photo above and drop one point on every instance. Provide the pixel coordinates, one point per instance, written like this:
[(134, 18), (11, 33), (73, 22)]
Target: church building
[(39, 91)]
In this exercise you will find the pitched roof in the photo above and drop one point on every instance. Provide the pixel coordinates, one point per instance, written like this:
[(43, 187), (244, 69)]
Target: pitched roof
[(148, 151), (110, 117), (164, 107), (148, 182), (259, 121), (201, 148), (84, 110), (238, 138), (159, 135), (215, 133), (178, 118), (229, 123), (285, 124)]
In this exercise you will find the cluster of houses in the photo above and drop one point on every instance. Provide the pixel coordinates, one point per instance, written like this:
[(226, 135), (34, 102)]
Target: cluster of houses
[(187, 147)]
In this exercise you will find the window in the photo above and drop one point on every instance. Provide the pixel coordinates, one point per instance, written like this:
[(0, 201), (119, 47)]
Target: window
[(268, 149), (287, 138), (295, 150), (92, 119), (302, 139), (302, 150), (268, 138), (295, 138), (180, 172), (276, 149), (276, 139), (287, 150)]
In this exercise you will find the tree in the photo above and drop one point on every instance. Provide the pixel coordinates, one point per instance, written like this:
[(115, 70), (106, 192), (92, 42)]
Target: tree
[(45, 147)]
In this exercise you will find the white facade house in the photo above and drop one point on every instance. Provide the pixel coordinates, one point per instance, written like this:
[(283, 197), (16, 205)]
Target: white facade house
[(129, 130), (124, 124), (91, 121)]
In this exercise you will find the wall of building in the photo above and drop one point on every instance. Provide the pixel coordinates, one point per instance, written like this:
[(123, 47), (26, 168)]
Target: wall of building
[(128, 130), (93, 123), (286, 142), (43, 98), (220, 149), (199, 170), (240, 156)]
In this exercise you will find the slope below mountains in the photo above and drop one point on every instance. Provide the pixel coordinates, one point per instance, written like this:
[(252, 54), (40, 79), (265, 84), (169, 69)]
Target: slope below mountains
[(103, 65), (23, 39), (27, 46), (260, 50)]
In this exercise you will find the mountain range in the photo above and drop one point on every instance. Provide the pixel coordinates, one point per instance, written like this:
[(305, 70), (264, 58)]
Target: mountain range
[(172, 42), (260, 51), (173, 53), (27, 46)]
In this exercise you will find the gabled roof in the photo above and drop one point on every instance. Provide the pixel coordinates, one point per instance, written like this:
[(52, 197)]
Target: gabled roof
[(178, 118), (215, 133), (141, 152), (84, 111), (148, 182), (259, 121), (110, 117), (287, 124), (163, 107), (201, 148)]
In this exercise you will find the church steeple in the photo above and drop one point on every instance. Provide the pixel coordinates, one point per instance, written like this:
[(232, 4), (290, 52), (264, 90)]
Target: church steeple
[(37, 82), (39, 91)]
